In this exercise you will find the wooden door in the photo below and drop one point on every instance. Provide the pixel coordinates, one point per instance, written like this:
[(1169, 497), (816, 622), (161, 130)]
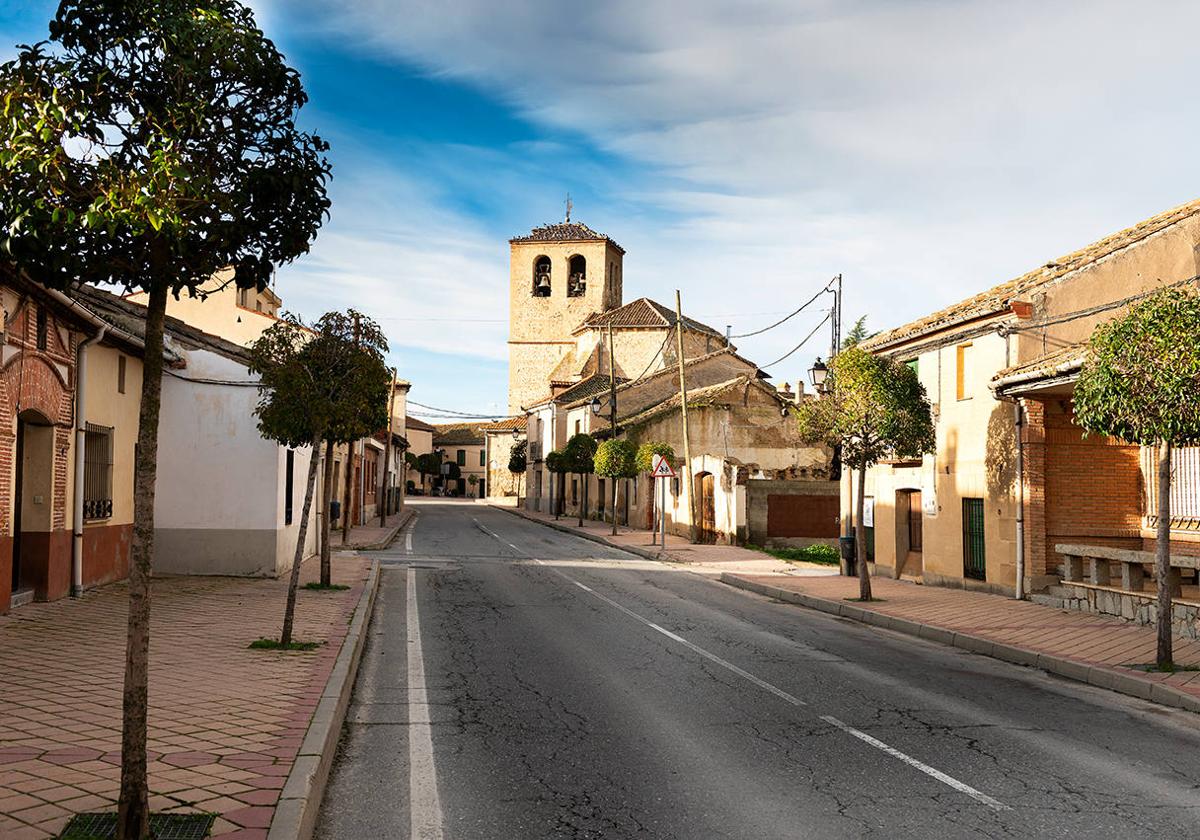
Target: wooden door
[(707, 531)]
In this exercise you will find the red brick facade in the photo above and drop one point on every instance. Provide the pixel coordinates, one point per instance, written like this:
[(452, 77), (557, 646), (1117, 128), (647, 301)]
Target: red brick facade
[(1082, 489)]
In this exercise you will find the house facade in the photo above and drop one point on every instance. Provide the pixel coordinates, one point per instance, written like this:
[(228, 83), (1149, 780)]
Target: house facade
[(1013, 476), (464, 445)]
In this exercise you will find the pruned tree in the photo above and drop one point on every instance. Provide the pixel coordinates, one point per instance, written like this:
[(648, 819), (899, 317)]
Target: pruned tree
[(358, 409), (150, 145), (615, 458), (429, 463), (876, 409), (1140, 382), (580, 453), (518, 461), (645, 464), (556, 463)]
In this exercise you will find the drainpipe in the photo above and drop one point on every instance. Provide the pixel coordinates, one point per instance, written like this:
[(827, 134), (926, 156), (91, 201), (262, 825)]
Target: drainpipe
[(80, 443), (1020, 419)]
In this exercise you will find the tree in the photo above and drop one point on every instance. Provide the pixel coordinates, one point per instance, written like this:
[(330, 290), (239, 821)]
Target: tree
[(359, 402), (616, 458), (430, 463), (645, 464), (149, 145), (472, 479), (857, 334), (877, 409), (580, 453), (518, 461), (1140, 382), (556, 463)]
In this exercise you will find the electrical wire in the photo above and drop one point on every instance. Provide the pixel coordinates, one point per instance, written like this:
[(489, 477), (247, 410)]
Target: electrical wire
[(807, 338), (787, 318)]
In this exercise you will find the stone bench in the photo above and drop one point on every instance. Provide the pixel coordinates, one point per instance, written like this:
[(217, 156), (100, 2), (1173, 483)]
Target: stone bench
[(1133, 566)]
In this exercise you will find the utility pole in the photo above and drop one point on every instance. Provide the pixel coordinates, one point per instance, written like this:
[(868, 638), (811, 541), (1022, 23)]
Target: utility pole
[(387, 456), (612, 415), (348, 496), (687, 448)]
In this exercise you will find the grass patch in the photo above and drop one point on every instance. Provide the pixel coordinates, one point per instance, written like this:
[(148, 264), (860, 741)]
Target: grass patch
[(273, 644), (317, 586), (824, 555), (1152, 668)]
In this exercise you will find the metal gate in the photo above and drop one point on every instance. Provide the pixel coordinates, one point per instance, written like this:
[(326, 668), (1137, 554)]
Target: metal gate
[(973, 554)]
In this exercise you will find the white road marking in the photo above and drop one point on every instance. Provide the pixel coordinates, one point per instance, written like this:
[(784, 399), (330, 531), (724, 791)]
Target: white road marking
[(933, 772), (424, 804), (962, 787)]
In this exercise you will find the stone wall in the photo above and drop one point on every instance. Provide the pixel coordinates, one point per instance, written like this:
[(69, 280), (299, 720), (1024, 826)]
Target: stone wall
[(1134, 607)]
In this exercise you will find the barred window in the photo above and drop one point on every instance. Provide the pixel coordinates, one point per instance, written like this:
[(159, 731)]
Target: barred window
[(97, 472), (1185, 487)]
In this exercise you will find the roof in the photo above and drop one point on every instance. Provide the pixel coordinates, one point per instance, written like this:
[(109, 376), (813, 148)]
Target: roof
[(567, 231), (411, 422), (1056, 367), (996, 299), (131, 317), (458, 433), (588, 388), (506, 425), (700, 398), (641, 314)]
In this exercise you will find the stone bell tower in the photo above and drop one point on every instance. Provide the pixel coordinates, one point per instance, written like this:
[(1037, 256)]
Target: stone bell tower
[(559, 274)]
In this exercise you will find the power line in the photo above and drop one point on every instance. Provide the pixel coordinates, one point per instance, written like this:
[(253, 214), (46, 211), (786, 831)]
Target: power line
[(808, 337), (452, 413), (787, 318)]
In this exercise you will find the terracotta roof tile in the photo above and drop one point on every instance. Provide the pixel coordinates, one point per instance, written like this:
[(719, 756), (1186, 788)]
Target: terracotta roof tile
[(506, 425), (996, 299), (458, 433), (565, 232), (643, 312)]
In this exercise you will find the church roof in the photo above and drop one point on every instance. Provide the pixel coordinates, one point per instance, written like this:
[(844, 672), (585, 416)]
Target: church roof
[(643, 313), (565, 232)]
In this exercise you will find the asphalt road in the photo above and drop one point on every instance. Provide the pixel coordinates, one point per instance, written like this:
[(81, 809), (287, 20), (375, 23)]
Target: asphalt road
[(522, 683)]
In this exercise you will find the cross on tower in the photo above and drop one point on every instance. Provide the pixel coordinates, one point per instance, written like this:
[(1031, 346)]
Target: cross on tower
[(569, 206)]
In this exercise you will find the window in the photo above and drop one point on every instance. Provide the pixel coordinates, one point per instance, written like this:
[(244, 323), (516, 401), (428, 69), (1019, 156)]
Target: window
[(97, 472), (578, 426), (541, 277), (482, 458), (576, 276), (460, 457), (243, 298), (42, 328), (289, 487), (964, 378), (973, 544), (120, 374)]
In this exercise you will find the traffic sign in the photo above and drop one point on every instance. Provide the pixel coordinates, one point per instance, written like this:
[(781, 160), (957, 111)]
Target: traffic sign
[(662, 468)]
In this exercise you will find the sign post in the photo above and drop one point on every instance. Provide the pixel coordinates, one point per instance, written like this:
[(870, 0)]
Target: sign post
[(662, 470)]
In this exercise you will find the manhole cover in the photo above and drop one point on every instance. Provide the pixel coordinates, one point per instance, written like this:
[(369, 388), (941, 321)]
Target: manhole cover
[(162, 827)]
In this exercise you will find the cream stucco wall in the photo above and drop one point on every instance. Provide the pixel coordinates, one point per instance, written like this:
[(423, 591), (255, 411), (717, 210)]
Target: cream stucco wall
[(219, 311)]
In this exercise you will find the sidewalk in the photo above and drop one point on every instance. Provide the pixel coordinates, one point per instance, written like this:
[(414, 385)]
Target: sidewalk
[(371, 536), (226, 722), (1088, 648)]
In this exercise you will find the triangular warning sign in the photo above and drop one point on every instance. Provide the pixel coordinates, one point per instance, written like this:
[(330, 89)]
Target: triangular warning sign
[(662, 468)]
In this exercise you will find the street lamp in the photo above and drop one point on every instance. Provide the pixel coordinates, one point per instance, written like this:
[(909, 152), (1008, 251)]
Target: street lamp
[(818, 373), (597, 406)]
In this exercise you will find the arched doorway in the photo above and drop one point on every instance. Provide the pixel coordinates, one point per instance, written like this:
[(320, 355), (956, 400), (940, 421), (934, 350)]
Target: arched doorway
[(33, 502), (706, 508)]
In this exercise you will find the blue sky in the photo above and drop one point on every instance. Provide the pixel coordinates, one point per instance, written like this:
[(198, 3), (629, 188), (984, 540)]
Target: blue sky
[(741, 152)]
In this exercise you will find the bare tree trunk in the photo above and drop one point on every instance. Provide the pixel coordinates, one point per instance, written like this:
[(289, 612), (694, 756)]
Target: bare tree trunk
[(133, 808), (1162, 557), (860, 539), (289, 611), (327, 491), (348, 496), (582, 497)]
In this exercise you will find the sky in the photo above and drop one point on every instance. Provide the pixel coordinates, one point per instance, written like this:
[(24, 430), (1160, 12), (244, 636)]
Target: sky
[(741, 152)]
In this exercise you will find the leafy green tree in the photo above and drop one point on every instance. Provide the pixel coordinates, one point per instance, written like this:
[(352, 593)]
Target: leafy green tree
[(149, 145), (857, 334), (616, 458), (429, 463), (580, 454), (518, 461), (877, 409), (1140, 382), (647, 451), (556, 463)]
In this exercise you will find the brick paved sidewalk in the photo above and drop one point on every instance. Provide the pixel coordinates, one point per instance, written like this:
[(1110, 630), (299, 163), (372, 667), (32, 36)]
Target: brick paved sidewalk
[(371, 535), (1101, 647), (226, 722)]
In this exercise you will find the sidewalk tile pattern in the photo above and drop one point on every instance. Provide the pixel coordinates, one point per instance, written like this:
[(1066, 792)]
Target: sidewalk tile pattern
[(226, 722)]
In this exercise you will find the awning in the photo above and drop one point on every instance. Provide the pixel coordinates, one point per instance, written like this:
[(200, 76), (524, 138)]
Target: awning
[(1052, 373)]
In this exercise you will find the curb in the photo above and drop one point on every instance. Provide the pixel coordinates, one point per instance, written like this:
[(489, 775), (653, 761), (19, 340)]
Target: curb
[(661, 556), (405, 516), (1096, 675), (300, 800)]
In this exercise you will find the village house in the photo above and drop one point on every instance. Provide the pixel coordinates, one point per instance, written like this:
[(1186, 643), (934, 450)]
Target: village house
[(463, 445), (499, 439), (420, 442), (560, 372), (1013, 479)]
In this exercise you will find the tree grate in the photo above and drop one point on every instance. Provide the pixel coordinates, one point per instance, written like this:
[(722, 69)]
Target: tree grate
[(162, 827)]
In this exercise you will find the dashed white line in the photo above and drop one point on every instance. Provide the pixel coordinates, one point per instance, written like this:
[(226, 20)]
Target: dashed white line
[(424, 804)]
